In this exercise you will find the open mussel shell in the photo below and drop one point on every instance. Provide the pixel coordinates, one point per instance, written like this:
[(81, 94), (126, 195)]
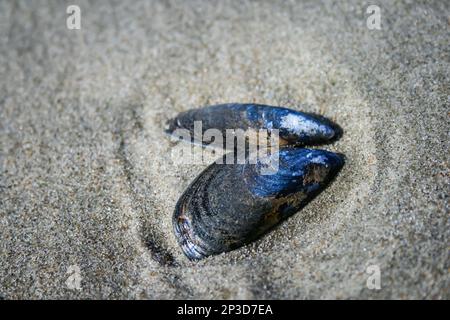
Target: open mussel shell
[(229, 205), (295, 127)]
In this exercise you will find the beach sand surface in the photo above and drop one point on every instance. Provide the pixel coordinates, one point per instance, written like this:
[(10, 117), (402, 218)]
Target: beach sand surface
[(88, 180)]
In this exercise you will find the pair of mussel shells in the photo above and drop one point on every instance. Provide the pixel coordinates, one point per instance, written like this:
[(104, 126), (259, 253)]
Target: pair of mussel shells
[(230, 205)]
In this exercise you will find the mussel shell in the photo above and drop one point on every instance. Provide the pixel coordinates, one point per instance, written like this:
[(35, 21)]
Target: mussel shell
[(295, 127), (229, 205)]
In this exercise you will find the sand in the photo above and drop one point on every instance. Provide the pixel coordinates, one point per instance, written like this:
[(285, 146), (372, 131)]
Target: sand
[(88, 183)]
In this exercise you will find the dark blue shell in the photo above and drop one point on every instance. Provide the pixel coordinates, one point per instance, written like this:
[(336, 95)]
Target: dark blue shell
[(229, 205), (294, 127)]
